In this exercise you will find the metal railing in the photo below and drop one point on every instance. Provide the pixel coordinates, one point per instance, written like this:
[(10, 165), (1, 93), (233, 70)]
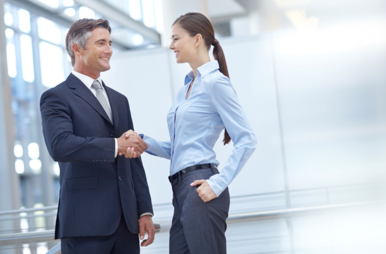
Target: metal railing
[(164, 226)]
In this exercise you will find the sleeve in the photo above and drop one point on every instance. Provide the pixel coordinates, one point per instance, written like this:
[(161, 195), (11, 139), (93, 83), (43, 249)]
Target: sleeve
[(224, 100), (157, 148), (60, 140)]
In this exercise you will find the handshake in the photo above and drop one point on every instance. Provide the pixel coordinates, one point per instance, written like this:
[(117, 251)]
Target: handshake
[(131, 145)]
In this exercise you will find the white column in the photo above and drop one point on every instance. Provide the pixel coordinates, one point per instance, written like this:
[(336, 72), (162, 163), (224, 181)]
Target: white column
[(172, 9), (9, 180)]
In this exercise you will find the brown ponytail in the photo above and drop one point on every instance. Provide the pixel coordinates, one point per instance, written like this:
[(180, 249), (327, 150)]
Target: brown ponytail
[(196, 23)]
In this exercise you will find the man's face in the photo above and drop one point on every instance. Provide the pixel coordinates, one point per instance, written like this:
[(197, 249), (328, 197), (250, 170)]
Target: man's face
[(96, 57)]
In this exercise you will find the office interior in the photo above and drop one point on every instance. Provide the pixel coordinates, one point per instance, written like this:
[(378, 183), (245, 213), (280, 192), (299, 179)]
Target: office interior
[(310, 75)]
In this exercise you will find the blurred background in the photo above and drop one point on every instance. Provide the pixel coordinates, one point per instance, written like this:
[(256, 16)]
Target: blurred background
[(310, 75)]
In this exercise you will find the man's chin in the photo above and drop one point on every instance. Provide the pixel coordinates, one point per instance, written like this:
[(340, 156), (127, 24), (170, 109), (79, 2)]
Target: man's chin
[(105, 68)]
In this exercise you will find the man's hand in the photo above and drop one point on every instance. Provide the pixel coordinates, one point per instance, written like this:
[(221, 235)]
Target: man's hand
[(131, 140), (204, 191), (146, 225)]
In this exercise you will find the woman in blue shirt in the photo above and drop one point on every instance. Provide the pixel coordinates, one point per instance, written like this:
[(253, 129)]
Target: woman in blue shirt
[(203, 107)]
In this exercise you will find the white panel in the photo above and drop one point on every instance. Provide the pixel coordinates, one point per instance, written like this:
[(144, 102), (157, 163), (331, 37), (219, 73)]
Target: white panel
[(250, 69), (333, 108), (143, 76)]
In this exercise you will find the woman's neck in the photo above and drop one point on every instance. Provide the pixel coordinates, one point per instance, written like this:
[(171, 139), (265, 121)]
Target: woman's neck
[(199, 62)]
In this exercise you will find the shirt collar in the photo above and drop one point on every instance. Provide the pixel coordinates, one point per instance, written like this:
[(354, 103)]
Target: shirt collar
[(86, 80), (202, 70)]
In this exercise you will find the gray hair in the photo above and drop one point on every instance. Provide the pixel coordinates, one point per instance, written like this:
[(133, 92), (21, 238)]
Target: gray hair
[(80, 31)]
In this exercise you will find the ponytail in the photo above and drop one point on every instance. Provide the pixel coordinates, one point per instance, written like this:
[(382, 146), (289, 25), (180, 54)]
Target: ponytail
[(218, 54), (196, 23)]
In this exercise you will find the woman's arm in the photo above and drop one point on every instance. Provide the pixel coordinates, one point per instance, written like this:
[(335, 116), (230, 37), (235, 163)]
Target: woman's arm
[(157, 148), (154, 147), (225, 101)]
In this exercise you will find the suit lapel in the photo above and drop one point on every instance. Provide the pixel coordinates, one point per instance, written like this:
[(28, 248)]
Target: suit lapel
[(79, 89), (113, 100)]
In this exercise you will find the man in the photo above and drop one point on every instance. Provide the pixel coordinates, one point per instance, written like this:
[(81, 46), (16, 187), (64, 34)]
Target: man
[(104, 198)]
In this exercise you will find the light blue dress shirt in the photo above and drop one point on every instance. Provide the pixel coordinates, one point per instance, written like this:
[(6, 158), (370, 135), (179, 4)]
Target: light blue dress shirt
[(196, 123)]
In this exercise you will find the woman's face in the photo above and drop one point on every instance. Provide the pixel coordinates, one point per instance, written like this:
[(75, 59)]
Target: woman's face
[(182, 44)]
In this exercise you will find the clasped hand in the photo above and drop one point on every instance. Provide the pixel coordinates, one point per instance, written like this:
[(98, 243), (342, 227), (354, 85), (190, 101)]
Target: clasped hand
[(131, 145)]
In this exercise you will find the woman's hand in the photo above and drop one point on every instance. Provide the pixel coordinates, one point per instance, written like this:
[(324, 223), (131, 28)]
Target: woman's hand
[(204, 191), (130, 151)]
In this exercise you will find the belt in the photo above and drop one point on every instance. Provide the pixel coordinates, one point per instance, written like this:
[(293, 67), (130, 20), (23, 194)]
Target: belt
[(191, 168)]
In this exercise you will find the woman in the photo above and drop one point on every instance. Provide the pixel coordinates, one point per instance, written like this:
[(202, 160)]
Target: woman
[(203, 107)]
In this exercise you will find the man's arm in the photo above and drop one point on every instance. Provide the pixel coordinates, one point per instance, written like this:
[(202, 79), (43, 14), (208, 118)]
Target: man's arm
[(60, 140)]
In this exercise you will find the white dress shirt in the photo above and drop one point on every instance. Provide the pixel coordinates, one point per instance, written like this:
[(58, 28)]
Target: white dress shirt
[(87, 81), (196, 123)]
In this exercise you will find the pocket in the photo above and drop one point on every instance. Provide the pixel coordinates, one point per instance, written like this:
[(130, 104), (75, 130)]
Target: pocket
[(81, 183), (202, 174)]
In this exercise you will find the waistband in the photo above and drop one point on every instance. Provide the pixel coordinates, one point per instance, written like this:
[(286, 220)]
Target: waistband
[(179, 174)]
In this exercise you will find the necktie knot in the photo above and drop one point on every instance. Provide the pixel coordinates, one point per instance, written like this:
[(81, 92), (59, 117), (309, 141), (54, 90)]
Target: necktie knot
[(96, 85)]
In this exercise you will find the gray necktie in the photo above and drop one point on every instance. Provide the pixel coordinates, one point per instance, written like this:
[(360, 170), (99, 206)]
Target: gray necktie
[(101, 97)]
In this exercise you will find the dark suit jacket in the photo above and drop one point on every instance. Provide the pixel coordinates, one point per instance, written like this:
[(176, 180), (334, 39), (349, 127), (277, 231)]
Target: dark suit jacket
[(95, 187)]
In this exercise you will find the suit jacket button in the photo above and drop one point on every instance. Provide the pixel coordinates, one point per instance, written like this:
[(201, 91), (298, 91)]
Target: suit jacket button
[(119, 177), (111, 134)]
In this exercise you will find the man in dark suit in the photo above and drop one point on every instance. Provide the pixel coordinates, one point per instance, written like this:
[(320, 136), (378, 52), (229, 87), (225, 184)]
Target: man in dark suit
[(104, 198)]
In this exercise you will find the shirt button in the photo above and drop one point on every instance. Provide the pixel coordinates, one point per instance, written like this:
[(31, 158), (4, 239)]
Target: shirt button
[(119, 177)]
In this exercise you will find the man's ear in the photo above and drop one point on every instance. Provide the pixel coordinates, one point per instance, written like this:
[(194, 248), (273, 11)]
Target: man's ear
[(77, 49)]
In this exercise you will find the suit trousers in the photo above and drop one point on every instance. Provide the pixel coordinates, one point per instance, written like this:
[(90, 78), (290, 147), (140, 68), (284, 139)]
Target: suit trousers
[(198, 227), (122, 241)]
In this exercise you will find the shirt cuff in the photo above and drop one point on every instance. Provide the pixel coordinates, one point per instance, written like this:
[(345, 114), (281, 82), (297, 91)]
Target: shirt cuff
[(215, 188), (116, 148), (146, 214)]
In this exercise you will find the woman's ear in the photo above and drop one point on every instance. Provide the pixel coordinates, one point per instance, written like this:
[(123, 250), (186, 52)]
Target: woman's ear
[(199, 40)]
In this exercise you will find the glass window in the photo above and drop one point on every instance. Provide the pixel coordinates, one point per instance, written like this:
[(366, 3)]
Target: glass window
[(56, 169), (49, 31), (51, 58), (148, 13), (24, 21), (27, 58), (85, 12), (70, 12), (19, 166), (51, 3), (68, 2), (36, 166), (18, 150), (158, 15), (135, 9), (11, 60), (9, 33), (33, 150), (137, 39), (8, 19)]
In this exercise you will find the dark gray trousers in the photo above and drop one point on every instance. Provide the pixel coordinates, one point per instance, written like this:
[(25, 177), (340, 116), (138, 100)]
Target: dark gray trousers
[(120, 242), (197, 227)]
